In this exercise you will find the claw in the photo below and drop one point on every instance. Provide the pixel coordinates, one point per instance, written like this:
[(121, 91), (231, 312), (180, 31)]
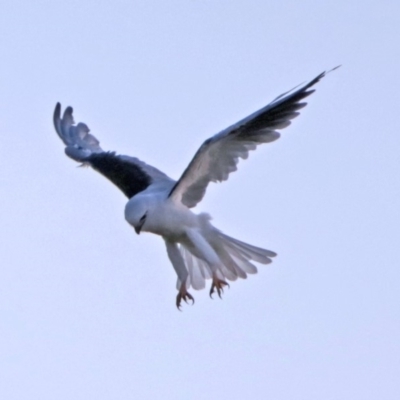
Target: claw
[(218, 284), (184, 295)]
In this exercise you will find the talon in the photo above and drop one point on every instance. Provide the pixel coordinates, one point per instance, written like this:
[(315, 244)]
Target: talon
[(218, 284), (184, 295)]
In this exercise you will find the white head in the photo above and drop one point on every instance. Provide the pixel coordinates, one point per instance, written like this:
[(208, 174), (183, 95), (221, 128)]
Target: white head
[(136, 211)]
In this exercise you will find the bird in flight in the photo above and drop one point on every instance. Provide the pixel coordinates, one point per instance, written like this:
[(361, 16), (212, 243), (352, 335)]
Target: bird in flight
[(158, 204)]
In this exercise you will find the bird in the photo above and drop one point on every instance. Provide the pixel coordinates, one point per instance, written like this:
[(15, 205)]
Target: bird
[(158, 204)]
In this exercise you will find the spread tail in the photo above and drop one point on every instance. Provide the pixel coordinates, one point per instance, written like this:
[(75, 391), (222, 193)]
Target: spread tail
[(235, 256)]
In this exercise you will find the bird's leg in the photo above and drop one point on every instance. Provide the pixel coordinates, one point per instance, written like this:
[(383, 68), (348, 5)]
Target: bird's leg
[(180, 268), (184, 295), (208, 254), (217, 284)]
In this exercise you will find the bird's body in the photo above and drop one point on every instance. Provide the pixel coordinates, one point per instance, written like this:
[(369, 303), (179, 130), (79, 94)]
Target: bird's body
[(159, 205), (164, 217)]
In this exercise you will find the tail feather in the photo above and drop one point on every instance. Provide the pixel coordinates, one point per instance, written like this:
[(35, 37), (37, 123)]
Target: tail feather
[(246, 265), (235, 256), (230, 268), (197, 268), (239, 262), (257, 254)]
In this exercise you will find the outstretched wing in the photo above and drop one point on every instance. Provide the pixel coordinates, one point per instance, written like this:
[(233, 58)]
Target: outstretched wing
[(219, 155), (128, 173)]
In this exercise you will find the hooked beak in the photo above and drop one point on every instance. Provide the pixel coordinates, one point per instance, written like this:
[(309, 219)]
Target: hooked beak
[(139, 227)]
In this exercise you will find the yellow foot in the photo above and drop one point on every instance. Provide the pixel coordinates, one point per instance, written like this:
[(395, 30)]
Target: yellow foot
[(218, 284), (184, 295)]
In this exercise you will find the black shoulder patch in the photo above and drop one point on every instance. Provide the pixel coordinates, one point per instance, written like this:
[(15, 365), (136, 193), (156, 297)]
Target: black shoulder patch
[(129, 177)]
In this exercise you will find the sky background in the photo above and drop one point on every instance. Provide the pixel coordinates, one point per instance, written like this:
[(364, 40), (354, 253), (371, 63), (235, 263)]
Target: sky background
[(87, 308)]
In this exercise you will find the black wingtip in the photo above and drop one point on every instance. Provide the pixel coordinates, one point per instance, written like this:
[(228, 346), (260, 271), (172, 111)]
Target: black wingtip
[(56, 116), (57, 110), (317, 79), (338, 66), (68, 111)]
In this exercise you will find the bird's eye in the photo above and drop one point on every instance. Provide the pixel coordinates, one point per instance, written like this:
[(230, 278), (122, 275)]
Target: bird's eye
[(143, 218)]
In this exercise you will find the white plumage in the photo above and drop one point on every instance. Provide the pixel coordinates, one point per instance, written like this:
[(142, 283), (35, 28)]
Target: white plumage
[(158, 204)]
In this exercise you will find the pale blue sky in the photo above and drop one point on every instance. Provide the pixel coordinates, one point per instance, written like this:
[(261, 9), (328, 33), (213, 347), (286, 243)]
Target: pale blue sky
[(87, 307)]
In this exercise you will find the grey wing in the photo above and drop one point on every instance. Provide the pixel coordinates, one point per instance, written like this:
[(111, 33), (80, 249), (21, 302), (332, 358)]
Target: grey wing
[(219, 155), (128, 173)]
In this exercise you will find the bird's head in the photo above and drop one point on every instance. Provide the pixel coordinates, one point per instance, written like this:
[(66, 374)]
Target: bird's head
[(136, 212)]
